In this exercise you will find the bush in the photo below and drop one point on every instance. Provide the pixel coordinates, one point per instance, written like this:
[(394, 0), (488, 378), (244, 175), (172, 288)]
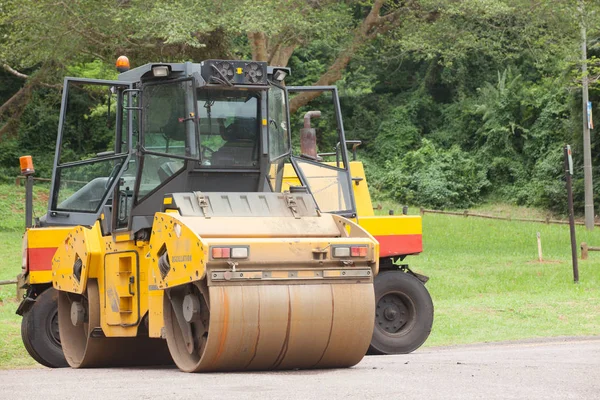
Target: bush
[(431, 177), (396, 135)]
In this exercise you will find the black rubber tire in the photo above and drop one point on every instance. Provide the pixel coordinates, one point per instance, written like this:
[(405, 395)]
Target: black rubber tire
[(37, 331), (414, 327)]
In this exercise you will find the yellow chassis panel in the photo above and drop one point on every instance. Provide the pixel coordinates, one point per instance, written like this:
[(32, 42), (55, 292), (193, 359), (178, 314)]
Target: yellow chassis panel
[(392, 225), (46, 237), (37, 277)]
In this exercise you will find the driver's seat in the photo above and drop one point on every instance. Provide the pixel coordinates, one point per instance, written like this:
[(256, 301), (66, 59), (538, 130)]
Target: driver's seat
[(238, 154), (239, 150)]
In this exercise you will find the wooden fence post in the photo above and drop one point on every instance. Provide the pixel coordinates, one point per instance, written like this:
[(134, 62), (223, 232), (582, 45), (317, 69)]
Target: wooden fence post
[(539, 243), (584, 251), (20, 290)]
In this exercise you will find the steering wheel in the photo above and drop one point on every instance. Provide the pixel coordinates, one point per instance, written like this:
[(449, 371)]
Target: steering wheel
[(204, 150)]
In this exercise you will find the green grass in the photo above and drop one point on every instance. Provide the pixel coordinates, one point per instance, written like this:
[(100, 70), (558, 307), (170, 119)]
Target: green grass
[(488, 285), (486, 282), (12, 205), (12, 352), (12, 226)]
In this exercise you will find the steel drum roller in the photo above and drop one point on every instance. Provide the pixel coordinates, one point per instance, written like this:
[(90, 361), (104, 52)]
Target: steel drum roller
[(84, 344), (266, 327)]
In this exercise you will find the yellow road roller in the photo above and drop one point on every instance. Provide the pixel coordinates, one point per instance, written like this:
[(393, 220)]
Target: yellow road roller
[(177, 242), (200, 223)]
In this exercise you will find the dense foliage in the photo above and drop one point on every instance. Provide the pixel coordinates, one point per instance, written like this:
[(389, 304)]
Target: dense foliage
[(456, 102)]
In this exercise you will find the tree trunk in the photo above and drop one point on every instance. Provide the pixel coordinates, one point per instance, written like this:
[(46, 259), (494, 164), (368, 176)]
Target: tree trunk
[(372, 25), (16, 104), (282, 55), (258, 44), (15, 99)]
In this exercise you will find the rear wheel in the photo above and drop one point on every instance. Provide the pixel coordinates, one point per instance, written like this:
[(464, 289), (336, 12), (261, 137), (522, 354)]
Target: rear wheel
[(39, 331), (403, 313)]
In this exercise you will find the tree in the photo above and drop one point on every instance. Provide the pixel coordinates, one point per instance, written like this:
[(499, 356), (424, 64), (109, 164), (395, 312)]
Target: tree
[(407, 70), (39, 36), (48, 37), (377, 21)]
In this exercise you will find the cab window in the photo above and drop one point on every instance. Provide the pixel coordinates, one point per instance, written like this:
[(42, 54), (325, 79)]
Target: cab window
[(229, 128), (279, 140)]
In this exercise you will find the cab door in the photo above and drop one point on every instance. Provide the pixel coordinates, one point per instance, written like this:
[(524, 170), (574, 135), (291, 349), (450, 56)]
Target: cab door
[(327, 178), (93, 151), (279, 146), (87, 162)]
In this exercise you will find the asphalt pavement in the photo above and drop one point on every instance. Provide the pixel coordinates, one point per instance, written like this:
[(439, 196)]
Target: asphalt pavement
[(560, 368)]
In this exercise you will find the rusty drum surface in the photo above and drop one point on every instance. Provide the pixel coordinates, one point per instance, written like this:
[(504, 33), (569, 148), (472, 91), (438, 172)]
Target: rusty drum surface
[(267, 327)]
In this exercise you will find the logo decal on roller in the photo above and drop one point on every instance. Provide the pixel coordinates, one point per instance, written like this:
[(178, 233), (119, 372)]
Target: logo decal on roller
[(183, 258)]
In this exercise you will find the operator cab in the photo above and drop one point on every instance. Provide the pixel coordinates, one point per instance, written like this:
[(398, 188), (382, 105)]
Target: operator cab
[(215, 126), (204, 128)]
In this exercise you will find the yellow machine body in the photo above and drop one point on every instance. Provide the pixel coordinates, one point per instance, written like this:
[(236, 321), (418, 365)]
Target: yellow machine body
[(290, 303), (120, 270), (397, 234), (283, 268)]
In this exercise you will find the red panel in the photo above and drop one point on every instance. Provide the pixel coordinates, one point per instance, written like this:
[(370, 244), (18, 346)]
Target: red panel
[(397, 245), (40, 259)]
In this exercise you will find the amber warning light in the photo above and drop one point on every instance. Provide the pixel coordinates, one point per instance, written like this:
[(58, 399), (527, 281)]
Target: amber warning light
[(26, 165), (122, 64)]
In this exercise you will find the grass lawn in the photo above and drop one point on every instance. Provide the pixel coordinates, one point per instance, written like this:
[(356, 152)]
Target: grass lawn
[(485, 279), (12, 223), (488, 285), (12, 352)]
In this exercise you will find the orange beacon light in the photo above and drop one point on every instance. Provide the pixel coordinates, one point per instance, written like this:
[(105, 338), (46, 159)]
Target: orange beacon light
[(26, 165), (122, 64)]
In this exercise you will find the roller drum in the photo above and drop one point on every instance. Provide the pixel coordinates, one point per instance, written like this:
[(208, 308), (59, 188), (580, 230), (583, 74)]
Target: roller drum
[(84, 345), (270, 327)]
